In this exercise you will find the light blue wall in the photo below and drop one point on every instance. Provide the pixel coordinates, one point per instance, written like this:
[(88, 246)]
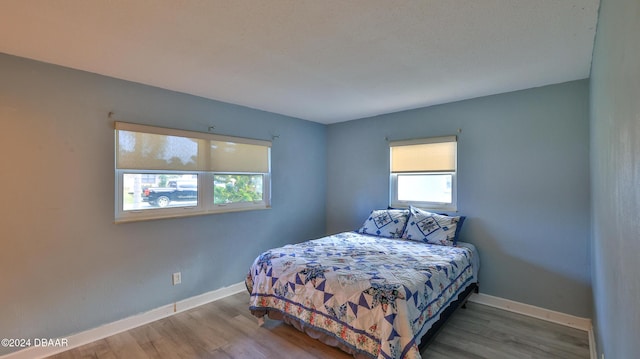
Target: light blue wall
[(65, 267), (615, 170), (523, 183)]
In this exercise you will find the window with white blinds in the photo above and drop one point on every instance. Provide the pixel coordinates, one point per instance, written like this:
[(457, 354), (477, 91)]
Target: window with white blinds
[(423, 173), (163, 172)]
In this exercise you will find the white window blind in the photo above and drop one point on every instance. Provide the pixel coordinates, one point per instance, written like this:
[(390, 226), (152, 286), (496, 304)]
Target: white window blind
[(239, 157), (427, 155), (157, 148)]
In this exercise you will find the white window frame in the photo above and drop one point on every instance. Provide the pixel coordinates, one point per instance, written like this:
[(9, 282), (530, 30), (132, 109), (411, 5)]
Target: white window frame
[(393, 178), (205, 204)]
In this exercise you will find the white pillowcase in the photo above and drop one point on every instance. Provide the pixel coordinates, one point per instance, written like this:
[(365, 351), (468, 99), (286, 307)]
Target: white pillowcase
[(432, 228), (387, 223)]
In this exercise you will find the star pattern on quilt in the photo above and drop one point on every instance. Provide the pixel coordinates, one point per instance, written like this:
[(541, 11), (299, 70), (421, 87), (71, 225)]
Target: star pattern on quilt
[(384, 295)]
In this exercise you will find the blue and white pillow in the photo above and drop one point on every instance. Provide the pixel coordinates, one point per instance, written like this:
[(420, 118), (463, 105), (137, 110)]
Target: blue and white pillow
[(387, 223), (432, 228)]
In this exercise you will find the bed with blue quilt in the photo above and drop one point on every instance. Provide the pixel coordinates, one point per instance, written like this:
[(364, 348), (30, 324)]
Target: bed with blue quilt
[(374, 292)]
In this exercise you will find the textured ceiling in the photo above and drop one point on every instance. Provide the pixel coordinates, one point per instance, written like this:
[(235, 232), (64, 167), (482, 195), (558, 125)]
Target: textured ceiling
[(325, 61)]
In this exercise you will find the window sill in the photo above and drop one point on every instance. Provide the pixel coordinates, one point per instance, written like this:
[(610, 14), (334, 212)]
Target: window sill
[(188, 213), (426, 207)]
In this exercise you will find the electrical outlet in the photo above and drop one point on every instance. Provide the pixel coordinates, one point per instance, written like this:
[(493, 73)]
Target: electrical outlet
[(177, 278)]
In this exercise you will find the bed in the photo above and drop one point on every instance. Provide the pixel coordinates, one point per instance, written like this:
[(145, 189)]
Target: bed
[(375, 292)]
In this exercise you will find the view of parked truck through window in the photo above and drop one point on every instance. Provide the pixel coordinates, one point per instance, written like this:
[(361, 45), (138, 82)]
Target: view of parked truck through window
[(148, 191)]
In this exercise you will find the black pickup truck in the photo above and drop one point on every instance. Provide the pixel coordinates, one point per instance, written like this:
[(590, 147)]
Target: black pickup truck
[(177, 191)]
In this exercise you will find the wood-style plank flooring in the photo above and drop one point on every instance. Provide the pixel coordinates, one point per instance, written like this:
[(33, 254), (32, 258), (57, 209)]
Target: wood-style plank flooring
[(226, 329)]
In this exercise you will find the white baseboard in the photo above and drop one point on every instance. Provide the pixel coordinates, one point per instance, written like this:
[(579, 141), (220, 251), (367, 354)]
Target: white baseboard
[(540, 313), (532, 311), (593, 352), (125, 324)]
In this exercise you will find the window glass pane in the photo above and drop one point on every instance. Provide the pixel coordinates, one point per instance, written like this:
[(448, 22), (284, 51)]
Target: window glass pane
[(158, 190), (237, 188), (425, 188)]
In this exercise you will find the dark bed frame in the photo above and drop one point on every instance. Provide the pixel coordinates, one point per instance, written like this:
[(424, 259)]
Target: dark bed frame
[(461, 301)]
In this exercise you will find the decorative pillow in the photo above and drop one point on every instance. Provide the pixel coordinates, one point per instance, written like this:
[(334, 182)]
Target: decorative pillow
[(432, 228), (388, 223)]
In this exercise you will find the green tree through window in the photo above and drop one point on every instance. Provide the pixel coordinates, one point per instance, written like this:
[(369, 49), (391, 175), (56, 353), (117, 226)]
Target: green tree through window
[(237, 188)]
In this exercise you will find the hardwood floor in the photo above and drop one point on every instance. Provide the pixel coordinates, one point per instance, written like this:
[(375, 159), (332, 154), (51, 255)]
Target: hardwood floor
[(226, 329)]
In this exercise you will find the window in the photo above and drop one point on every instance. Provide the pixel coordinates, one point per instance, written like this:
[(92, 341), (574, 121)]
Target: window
[(423, 173), (163, 173)]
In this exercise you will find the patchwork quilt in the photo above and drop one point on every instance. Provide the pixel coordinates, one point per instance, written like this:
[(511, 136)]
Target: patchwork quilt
[(378, 296)]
